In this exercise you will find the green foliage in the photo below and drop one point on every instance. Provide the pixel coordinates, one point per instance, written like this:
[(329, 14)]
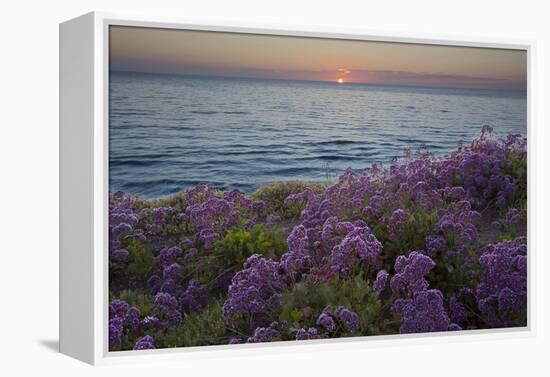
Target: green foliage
[(176, 201), (206, 327), (302, 306), (419, 225), (451, 274), (142, 301), (518, 171), (240, 244), (140, 260), (229, 254), (276, 193)]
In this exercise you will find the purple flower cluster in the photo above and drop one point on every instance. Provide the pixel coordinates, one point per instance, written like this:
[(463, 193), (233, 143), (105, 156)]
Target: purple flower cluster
[(381, 281), (171, 272), (118, 308), (330, 318), (168, 255), (397, 222), (332, 246), (319, 249), (326, 321), (116, 329), (169, 261), (359, 245), (166, 310), (435, 245), (502, 293), (266, 334), (159, 217), (424, 312), (483, 180), (122, 220), (194, 298), (310, 333), (298, 259), (457, 311), (508, 223), (457, 223), (211, 214), (316, 208), (349, 318), (145, 343), (411, 272), (122, 318), (485, 169), (255, 290)]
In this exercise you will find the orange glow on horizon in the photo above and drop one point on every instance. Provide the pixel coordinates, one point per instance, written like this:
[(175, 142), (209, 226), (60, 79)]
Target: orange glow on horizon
[(340, 80)]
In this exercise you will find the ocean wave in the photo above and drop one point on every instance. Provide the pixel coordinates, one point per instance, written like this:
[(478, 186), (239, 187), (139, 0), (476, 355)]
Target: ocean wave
[(203, 112)]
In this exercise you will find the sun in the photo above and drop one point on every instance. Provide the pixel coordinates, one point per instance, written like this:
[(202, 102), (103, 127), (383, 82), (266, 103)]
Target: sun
[(340, 80)]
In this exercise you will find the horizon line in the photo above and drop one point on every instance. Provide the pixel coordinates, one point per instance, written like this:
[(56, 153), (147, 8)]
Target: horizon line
[(345, 83)]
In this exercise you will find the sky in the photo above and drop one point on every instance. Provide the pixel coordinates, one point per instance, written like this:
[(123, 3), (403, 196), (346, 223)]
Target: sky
[(155, 50)]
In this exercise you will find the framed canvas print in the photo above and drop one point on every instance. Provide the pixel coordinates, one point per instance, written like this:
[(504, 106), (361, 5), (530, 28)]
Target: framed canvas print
[(224, 187)]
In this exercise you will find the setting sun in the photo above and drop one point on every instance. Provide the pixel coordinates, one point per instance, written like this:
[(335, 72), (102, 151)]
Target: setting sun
[(340, 81)]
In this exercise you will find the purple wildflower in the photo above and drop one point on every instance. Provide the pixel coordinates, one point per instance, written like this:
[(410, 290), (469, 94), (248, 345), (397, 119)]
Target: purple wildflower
[(502, 294), (349, 318), (396, 222), (194, 298), (310, 333), (116, 328), (265, 334), (422, 313), (381, 281), (119, 255), (411, 272), (145, 343), (325, 320), (172, 271), (118, 308)]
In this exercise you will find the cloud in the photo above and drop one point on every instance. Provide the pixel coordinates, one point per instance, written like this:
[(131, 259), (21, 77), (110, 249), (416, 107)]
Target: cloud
[(343, 71), (389, 77)]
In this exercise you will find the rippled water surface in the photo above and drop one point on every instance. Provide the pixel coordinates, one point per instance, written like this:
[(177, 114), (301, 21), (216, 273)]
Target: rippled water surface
[(171, 132)]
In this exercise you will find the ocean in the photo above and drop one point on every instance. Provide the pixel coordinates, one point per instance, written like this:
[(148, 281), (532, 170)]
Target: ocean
[(171, 132)]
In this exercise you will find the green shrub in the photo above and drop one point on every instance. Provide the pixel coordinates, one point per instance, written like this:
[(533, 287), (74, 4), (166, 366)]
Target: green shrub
[(176, 200), (142, 301), (203, 328), (276, 193), (229, 254), (302, 306), (518, 172), (419, 225), (140, 260), (240, 244)]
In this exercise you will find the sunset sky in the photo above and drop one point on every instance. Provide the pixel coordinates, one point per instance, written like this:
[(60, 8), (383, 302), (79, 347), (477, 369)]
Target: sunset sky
[(297, 58)]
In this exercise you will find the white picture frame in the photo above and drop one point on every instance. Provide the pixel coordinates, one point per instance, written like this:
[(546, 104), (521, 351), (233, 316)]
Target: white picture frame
[(84, 46)]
